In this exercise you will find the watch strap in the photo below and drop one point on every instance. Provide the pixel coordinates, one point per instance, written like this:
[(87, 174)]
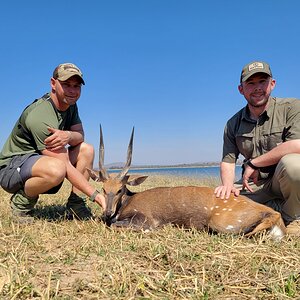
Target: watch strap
[(93, 196), (251, 165)]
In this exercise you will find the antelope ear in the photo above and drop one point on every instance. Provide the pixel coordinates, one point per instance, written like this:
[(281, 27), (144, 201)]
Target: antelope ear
[(93, 174), (96, 175), (136, 179)]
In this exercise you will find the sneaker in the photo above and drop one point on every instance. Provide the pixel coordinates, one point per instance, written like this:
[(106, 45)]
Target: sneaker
[(22, 207), (293, 228), (77, 208)]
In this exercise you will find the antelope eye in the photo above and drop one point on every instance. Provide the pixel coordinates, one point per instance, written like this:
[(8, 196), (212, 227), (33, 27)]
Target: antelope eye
[(119, 192)]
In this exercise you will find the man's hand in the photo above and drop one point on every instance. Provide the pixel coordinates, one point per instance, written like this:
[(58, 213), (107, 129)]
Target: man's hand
[(101, 201), (249, 174), (57, 140), (224, 191)]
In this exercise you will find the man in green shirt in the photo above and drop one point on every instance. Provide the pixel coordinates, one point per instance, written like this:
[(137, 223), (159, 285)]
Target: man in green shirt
[(46, 146), (267, 133)]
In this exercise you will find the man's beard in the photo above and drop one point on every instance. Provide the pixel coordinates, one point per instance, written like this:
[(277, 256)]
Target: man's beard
[(261, 103)]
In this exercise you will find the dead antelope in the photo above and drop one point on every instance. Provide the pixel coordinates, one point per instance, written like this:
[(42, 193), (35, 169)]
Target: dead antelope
[(184, 206)]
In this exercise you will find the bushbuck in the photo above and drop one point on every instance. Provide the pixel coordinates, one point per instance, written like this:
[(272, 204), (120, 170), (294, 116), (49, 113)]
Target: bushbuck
[(183, 206)]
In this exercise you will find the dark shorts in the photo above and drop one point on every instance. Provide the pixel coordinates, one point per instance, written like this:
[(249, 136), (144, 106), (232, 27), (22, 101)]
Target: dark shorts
[(14, 175)]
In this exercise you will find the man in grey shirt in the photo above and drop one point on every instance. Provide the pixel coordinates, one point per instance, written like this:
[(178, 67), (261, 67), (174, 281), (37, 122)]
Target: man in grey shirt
[(267, 133)]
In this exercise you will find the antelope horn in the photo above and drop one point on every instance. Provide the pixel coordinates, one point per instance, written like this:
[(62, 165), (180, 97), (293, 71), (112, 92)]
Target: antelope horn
[(101, 156), (129, 156)]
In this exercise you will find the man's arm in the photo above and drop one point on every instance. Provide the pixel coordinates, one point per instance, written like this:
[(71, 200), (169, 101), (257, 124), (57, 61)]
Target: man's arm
[(227, 171), (60, 138), (273, 156), (270, 158), (227, 166), (76, 135)]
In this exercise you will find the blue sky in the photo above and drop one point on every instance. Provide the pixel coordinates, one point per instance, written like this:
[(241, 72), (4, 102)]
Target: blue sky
[(169, 68)]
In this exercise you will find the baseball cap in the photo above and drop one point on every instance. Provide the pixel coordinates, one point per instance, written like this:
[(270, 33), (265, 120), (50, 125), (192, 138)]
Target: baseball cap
[(253, 68), (66, 70)]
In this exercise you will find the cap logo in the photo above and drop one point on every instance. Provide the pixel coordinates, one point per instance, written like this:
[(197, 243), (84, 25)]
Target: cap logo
[(255, 65)]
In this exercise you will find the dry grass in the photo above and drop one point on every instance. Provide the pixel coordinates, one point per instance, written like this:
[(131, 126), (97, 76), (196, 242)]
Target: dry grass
[(60, 259)]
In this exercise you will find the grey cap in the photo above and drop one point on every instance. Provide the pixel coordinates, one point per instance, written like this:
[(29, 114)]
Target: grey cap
[(66, 70), (253, 68)]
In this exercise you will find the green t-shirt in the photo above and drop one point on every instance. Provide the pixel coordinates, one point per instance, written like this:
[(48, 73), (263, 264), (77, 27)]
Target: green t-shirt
[(30, 130)]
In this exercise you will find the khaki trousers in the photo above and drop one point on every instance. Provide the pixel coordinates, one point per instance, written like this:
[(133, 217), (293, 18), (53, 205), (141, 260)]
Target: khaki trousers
[(282, 191)]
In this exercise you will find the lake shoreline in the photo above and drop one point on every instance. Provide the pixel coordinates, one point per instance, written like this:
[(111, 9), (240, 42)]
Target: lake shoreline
[(165, 167), (192, 171), (170, 167)]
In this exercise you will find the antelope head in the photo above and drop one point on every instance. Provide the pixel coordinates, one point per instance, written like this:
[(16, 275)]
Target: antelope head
[(114, 185)]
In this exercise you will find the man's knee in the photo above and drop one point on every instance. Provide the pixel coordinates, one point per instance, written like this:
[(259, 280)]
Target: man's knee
[(290, 166), (55, 171), (87, 149), (83, 152)]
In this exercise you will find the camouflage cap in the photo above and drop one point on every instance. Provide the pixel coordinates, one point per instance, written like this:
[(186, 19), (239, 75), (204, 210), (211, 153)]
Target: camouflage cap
[(253, 68), (64, 71)]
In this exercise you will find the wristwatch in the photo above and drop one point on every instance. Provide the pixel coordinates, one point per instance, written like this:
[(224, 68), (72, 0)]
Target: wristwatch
[(251, 165), (93, 196)]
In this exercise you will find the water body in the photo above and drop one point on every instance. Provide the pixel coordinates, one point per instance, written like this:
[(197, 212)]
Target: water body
[(196, 172)]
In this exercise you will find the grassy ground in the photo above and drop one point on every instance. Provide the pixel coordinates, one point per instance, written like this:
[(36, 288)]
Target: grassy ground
[(60, 259)]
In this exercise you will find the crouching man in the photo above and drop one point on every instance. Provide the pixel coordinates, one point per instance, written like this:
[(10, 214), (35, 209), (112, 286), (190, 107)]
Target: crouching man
[(46, 146), (267, 133)]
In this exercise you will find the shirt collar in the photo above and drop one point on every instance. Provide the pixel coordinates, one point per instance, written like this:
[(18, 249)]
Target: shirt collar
[(265, 115)]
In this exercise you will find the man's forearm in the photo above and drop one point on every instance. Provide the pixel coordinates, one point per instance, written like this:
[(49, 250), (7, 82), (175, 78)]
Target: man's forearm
[(273, 156), (75, 137), (227, 172), (78, 180)]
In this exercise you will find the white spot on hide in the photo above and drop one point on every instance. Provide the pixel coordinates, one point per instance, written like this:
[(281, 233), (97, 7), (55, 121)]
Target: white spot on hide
[(276, 233), (229, 227)]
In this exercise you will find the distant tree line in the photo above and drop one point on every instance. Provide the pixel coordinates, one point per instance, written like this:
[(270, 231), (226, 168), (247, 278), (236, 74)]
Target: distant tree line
[(199, 164)]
